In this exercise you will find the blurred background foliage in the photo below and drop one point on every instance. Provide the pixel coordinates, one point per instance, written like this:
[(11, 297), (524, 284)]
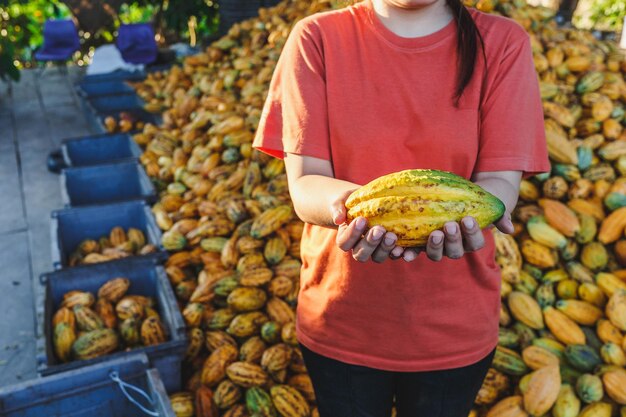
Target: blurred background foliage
[(21, 25), (608, 15), (193, 21), (602, 15)]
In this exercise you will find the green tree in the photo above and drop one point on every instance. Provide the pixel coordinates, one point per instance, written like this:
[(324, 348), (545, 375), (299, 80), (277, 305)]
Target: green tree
[(608, 14)]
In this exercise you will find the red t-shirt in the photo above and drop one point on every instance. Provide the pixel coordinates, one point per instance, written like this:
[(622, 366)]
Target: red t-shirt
[(348, 90)]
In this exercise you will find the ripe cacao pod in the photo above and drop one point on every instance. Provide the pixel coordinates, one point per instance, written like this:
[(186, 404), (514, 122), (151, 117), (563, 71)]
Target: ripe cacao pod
[(414, 203), (95, 343)]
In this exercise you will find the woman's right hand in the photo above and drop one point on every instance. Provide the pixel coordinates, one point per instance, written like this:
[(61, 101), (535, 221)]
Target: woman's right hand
[(376, 244)]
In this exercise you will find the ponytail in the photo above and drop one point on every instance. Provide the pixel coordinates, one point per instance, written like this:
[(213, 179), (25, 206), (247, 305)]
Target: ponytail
[(467, 46)]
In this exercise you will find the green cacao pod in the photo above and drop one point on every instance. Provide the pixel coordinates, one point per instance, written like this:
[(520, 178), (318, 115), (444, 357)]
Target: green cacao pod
[(87, 319), (95, 343), (259, 403), (589, 388), (582, 357), (289, 402), (509, 362)]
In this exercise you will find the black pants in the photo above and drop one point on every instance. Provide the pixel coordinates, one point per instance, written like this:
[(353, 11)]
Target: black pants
[(344, 390)]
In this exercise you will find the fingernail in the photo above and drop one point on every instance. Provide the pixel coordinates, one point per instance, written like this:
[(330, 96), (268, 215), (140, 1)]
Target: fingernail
[(409, 256), (397, 252), (377, 234), (437, 239), (389, 241), (451, 228), (468, 223), (360, 223)]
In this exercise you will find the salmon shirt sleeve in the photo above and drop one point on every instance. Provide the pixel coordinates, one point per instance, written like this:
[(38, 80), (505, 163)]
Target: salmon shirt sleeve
[(512, 136), (294, 118)]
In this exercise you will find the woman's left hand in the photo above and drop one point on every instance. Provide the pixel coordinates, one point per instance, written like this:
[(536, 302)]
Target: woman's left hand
[(455, 239)]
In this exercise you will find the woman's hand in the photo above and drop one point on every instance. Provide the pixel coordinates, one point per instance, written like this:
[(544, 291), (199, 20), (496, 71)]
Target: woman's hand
[(453, 241), (377, 244), (456, 239)]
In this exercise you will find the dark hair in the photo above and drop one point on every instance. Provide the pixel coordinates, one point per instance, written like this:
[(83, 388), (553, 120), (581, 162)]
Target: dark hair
[(468, 37)]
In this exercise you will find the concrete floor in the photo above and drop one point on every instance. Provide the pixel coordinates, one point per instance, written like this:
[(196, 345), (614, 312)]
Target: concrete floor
[(34, 117)]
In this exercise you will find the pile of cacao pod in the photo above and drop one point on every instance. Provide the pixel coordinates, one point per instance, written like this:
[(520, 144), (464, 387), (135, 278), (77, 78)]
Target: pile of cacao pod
[(124, 122), (157, 90), (86, 326), (119, 244), (228, 222)]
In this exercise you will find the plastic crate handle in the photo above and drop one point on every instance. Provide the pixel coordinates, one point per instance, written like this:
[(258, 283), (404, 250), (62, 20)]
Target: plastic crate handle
[(123, 385)]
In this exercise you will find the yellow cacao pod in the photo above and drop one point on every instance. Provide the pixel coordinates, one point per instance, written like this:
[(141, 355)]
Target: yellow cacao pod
[(526, 309), (289, 402), (598, 409), (270, 221), (247, 374), (508, 407), (543, 389), (205, 404), (64, 315), (413, 203), (562, 327), (196, 340), (302, 382), (616, 309), (279, 311), (214, 367), (74, 298), (63, 339), (106, 311), (612, 228), (608, 333), (613, 354), (615, 385), (246, 299), (537, 357), (276, 358), (609, 284), (559, 216), (117, 236), (226, 394), (581, 312), (95, 343), (183, 404), (252, 350), (538, 254), (567, 403), (218, 338), (152, 331), (591, 293), (129, 307)]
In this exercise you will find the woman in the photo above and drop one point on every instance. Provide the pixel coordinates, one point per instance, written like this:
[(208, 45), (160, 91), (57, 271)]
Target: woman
[(375, 88)]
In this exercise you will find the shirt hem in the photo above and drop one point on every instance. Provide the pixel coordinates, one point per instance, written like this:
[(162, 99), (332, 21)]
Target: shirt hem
[(360, 359)]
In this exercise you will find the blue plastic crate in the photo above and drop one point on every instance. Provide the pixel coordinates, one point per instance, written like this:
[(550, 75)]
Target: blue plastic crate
[(146, 278), (119, 75), (97, 120), (95, 89), (115, 102), (90, 392), (69, 227), (100, 184), (98, 149)]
